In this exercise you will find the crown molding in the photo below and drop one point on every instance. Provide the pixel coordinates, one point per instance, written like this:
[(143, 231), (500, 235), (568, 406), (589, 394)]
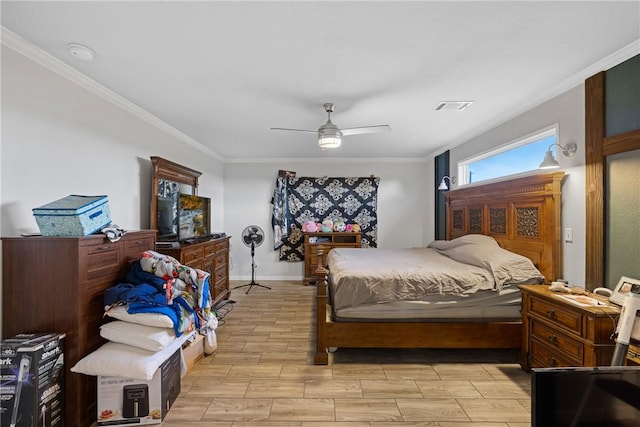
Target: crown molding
[(29, 50)]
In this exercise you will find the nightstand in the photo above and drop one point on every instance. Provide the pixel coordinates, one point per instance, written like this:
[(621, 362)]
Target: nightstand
[(559, 332), (328, 241)]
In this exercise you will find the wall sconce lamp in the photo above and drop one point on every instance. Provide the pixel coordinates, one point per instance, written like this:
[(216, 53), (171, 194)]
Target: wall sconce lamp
[(443, 185), (550, 161)]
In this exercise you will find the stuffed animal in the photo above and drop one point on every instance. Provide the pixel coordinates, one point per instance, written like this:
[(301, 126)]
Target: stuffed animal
[(310, 227), (348, 228), (339, 225), (327, 225), (356, 228)]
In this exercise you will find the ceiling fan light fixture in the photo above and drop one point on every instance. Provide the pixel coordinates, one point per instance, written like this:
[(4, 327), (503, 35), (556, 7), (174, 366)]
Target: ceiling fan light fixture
[(329, 138)]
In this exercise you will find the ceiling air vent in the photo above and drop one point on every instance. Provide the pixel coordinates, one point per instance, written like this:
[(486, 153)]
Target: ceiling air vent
[(452, 105)]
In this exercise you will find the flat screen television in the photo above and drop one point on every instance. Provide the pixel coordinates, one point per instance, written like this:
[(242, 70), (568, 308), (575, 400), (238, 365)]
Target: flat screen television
[(586, 396), (194, 218)]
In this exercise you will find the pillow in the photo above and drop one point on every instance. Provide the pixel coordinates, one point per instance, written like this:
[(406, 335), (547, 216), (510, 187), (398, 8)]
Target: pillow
[(115, 359), (149, 319), (505, 266), (145, 337), (476, 239)]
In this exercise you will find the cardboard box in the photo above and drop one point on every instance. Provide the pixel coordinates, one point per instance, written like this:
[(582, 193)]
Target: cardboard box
[(124, 401), (193, 351), (633, 354), (32, 380), (73, 216)]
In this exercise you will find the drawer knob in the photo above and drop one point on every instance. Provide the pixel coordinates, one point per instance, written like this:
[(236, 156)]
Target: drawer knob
[(553, 361), (553, 339), (551, 313)]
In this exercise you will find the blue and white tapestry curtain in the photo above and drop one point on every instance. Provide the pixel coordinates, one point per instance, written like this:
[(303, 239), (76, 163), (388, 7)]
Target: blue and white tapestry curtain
[(297, 200)]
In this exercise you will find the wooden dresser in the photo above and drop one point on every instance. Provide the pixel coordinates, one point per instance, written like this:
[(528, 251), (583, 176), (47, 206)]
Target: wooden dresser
[(211, 256), (56, 284), (557, 332), (328, 241)]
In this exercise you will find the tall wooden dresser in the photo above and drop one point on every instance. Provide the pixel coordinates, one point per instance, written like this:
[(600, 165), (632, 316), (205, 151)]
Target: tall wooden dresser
[(211, 256), (557, 332), (328, 241), (56, 284)]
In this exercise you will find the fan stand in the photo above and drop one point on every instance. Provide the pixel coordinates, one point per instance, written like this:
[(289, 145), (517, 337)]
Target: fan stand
[(253, 272)]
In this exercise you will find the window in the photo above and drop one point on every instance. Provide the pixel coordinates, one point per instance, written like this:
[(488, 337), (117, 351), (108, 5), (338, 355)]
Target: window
[(522, 155)]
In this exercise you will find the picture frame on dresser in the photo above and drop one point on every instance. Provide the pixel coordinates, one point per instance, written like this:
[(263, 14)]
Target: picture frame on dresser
[(623, 289)]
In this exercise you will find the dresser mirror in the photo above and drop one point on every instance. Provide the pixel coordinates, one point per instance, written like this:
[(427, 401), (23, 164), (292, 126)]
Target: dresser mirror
[(168, 181)]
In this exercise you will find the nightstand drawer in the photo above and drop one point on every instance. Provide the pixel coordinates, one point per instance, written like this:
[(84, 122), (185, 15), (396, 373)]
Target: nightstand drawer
[(562, 315), (555, 339), (546, 356)]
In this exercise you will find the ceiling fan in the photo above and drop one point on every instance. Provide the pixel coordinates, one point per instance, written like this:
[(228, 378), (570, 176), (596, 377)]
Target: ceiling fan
[(330, 136)]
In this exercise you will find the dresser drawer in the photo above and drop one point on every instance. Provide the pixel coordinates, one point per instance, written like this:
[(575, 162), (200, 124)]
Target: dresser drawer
[(220, 287), (102, 261), (220, 274), (192, 254), (221, 246), (220, 260), (561, 315), (209, 250), (555, 339), (134, 248)]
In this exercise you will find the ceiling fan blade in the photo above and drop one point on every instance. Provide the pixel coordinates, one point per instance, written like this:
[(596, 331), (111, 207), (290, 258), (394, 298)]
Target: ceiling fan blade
[(296, 130), (365, 129)]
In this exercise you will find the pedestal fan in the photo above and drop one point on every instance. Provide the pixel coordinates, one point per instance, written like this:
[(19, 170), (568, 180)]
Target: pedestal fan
[(252, 236)]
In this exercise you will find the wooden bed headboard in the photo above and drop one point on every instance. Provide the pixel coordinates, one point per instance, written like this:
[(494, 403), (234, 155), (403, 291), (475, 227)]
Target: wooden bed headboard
[(522, 214)]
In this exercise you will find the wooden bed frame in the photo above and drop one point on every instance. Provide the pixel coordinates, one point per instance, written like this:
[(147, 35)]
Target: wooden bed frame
[(522, 214)]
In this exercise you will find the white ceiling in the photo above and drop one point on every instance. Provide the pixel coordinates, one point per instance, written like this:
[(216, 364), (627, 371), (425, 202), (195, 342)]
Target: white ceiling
[(224, 73)]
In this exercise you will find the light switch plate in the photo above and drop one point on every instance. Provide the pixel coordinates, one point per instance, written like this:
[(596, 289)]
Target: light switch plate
[(568, 235)]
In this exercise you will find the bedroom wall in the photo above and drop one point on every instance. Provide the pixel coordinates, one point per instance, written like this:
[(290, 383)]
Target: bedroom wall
[(567, 110), (402, 208), (58, 138)]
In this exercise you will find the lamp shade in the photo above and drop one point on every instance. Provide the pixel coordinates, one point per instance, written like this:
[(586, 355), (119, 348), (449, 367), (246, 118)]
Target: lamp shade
[(549, 161), (443, 184), (329, 137)]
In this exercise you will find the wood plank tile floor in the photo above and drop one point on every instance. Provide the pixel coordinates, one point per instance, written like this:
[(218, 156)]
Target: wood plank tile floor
[(262, 374)]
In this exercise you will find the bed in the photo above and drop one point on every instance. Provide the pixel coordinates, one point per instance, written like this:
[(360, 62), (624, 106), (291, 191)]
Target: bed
[(522, 216)]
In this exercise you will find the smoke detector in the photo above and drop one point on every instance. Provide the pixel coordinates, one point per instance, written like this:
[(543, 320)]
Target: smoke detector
[(453, 105), (81, 52)]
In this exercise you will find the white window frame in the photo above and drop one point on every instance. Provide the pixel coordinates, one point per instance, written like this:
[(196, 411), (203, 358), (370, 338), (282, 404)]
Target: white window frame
[(463, 165)]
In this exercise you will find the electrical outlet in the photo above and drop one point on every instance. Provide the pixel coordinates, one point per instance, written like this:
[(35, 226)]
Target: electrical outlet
[(568, 235)]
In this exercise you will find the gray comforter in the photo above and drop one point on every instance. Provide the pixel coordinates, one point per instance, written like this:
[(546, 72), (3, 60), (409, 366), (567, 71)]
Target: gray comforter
[(367, 276)]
